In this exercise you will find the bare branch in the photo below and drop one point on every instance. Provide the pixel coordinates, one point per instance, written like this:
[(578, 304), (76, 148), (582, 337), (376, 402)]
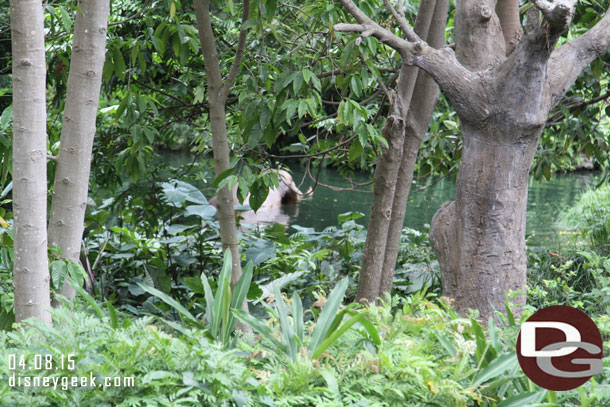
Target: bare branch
[(558, 14), (241, 46), (368, 27), (453, 78), (569, 60), (402, 22), (136, 15)]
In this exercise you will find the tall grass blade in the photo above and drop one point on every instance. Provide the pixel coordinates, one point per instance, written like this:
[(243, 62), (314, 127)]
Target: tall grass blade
[(328, 313)]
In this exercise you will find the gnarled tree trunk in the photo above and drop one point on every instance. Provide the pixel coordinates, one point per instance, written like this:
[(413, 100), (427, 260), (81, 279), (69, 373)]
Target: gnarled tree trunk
[(502, 103)]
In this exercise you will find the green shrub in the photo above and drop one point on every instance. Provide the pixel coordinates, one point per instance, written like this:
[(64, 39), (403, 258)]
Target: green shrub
[(590, 218), (427, 356), (189, 371)]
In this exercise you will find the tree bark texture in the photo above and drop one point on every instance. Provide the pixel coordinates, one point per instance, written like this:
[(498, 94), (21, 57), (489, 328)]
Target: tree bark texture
[(480, 238), (218, 91), (31, 271), (71, 185), (425, 95), (394, 171), (508, 14), (503, 103), (386, 173)]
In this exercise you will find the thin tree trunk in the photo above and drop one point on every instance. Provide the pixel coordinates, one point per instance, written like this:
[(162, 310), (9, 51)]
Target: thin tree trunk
[(508, 13), (394, 171), (418, 118), (71, 185), (31, 271), (218, 92), (386, 174)]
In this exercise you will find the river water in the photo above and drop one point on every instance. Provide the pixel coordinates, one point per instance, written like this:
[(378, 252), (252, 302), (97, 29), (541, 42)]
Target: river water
[(546, 199)]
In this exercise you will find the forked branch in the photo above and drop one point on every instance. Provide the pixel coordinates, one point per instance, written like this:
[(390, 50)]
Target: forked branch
[(558, 13), (453, 78)]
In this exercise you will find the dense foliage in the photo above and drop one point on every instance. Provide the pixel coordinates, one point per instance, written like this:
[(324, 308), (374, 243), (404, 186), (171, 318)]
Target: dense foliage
[(427, 356), (152, 251)]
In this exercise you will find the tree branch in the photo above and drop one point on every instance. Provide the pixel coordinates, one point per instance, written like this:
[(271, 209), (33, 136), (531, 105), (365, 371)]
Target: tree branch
[(136, 15), (558, 14), (453, 78), (402, 22), (208, 47), (241, 46), (569, 60)]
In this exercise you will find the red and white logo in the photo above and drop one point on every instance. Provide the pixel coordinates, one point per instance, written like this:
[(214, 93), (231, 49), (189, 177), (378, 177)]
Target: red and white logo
[(560, 348)]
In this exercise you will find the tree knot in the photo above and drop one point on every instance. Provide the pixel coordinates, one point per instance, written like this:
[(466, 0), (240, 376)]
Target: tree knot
[(485, 13)]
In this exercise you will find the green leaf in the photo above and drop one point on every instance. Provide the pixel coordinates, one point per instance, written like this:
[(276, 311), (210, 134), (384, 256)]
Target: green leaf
[(328, 313), (59, 270), (209, 301), (194, 284), (285, 325), (79, 289), (270, 9), (480, 340), (523, 399), (355, 150), (224, 280), (302, 108), (355, 82), (172, 303), (509, 313), (347, 216), (495, 368), (121, 108), (118, 62), (226, 312), (240, 292), (297, 317), (205, 212), (447, 344), (259, 327), (77, 273), (493, 334), (336, 334), (114, 320), (258, 195), (260, 251), (66, 20), (297, 83), (231, 6)]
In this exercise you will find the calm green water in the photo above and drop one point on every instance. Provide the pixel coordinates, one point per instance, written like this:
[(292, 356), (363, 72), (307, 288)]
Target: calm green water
[(545, 200)]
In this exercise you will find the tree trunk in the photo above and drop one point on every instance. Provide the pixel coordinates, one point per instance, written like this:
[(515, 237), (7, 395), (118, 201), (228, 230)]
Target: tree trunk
[(502, 104), (78, 131), (426, 94), (31, 271), (480, 238), (218, 92), (386, 174), (508, 14), (394, 172)]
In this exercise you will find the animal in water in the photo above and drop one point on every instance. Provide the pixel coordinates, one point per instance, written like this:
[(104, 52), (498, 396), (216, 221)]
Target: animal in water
[(279, 205)]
